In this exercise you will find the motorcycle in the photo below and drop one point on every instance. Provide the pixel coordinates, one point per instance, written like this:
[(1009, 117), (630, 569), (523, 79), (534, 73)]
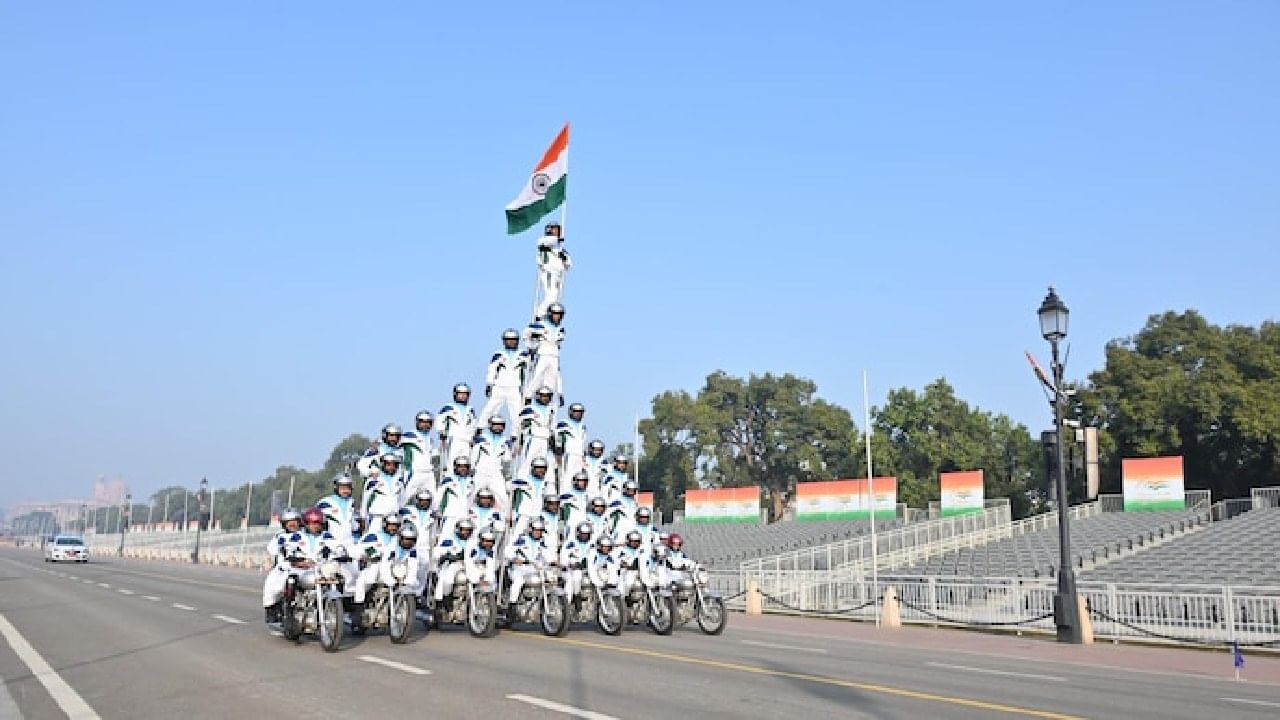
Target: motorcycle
[(601, 604), (313, 602), (391, 607), (472, 604), (652, 605), (542, 600), (693, 598)]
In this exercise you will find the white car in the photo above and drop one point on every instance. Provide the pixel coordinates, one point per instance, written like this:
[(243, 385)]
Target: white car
[(66, 547)]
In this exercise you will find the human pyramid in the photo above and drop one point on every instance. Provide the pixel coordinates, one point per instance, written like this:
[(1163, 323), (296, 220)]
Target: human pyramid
[(459, 496)]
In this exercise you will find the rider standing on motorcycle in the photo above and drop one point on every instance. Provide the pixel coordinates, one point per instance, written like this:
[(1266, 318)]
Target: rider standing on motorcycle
[(485, 514), (526, 492), (421, 456), (613, 479), (489, 456), (505, 376), (452, 502), (382, 491), (526, 556), (389, 442), (551, 520), (449, 554), (422, 517), (571, 444), (596, 516), (374, 547), (457, 425), (602, 564), (597, 465), (339, 507), (649, 534), (573, 559)]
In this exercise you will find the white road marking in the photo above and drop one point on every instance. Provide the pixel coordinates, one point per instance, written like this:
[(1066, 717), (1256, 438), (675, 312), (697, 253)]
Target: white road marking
[(225, 619), (104, 585), (990, 671), (68, 699), (179, 606), (123, 591), (393, 664), (276, 633), (1247, 701), (87, 581), (72, 577), (152, 598), (782, 647), (560, 707)]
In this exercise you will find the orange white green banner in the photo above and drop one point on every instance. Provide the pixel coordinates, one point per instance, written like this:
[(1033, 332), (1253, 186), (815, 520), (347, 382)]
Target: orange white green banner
[(961, 492), (644, 499), (722, 505), (1153, 484), (846, 499)]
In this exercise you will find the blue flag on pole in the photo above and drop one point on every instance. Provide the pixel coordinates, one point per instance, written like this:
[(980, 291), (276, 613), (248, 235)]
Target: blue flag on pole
[(1238, 658)]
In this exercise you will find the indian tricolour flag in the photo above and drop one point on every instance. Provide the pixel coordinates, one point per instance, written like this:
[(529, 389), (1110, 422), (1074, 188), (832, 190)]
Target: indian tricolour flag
[(545, 190)]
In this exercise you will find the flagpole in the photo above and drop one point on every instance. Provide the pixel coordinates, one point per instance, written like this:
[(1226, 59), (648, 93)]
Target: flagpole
[(871, 490)]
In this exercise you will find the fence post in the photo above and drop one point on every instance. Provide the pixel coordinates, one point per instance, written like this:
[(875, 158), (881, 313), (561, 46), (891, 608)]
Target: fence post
[(1229, 612), (931, 596), (755, 602)]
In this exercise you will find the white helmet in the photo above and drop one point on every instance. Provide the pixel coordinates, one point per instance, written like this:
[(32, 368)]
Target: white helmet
[(461, 388), (424, 416), (391, 457), (555, 308), (510, 334), (390, 429)]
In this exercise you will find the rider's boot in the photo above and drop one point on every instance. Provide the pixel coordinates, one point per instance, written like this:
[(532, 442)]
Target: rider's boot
[(273, 613), (357, 615)]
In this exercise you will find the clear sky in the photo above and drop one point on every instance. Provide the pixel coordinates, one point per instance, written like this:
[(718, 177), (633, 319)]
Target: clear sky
[(232, 233)]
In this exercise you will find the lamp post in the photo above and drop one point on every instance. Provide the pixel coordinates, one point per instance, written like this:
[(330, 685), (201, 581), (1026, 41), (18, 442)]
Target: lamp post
[(124, 522), (201, 498), (1066, 612)]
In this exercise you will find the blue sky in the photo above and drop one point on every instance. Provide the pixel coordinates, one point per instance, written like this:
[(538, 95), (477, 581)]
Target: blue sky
[(231, 234)]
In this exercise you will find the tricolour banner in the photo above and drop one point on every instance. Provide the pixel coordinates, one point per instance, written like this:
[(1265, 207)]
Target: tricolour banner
[(961, 492), (644, 499), (846, 499), (722, 505), (1152, 484)]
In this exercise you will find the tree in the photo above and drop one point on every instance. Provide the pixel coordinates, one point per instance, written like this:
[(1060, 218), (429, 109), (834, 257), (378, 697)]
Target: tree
[(1183, 386)]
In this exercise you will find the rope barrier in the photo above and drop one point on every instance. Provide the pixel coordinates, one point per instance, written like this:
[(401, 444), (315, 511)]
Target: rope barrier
[(978, 623), (1173, 638), (794, 608)]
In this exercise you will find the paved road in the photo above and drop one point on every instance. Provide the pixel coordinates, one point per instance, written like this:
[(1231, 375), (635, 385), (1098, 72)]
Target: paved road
[(152, 640)]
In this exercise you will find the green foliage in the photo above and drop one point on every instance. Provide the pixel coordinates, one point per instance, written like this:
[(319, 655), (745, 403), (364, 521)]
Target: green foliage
[(1183, 386)]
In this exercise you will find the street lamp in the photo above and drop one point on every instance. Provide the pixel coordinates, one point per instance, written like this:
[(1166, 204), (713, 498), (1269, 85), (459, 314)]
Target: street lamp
[(1066, 612), (124, 522), (201, 498)]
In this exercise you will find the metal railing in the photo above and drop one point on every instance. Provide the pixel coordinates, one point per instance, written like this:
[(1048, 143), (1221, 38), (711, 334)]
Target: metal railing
[(217, 547), (1265, 497), (1181, 614)]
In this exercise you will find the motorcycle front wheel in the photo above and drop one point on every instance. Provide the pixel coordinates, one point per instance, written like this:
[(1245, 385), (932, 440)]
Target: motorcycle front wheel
[(662, 615), (291, 622), (555, 616), (482, 616), (711, 615), (609, 615), (331, 628), (401, 619)]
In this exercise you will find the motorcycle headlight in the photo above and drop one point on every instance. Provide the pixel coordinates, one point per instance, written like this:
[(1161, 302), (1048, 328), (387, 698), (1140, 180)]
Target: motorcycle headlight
[(329, 570), (400, 570)]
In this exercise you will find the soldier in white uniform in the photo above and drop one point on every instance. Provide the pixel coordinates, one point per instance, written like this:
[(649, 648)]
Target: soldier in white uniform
[(422, 455), (457, 425), (571, 445), (490, 453), (505, 378), (553, 263), (544, 337)]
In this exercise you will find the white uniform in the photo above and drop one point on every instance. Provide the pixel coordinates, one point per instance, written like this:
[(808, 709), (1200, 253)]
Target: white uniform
[(536, 424), (489, 456), (553, 263), (634, 566), (302, 545), (367, 465), (453, 502), (622, 516), (572, 441), (488, 517), (374, 547), (417, 570), (597, 467), (573, 560), (526, 501), (599, 525), (481, 565), (555, 530), (338, 512), (544, 339), (677, 567), (602, 568), (611, 483), (457, 423), (523, 557), (448, 555), (505, 378), (381, 498), (273, 583), (424, 521), (573, 505), (420, 456)]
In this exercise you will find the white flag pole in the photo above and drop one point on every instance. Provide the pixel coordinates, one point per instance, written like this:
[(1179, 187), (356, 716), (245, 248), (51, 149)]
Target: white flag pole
[(871, 490), (244, 532)]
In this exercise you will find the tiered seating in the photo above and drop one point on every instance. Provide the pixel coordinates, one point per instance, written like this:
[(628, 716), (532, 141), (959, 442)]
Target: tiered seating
[(1242, 550), (724, 545), (1035, 554)]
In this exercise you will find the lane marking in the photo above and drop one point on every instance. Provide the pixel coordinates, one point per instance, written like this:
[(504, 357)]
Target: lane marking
[(67, 699), (1247, 701), (866, 687), (776, 646), (124, 591), (72, 577), (180, 606), (152, 598), (104, 585), (225, 619), (560, 707), (87, 581), (992, 671), (393, 664)]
